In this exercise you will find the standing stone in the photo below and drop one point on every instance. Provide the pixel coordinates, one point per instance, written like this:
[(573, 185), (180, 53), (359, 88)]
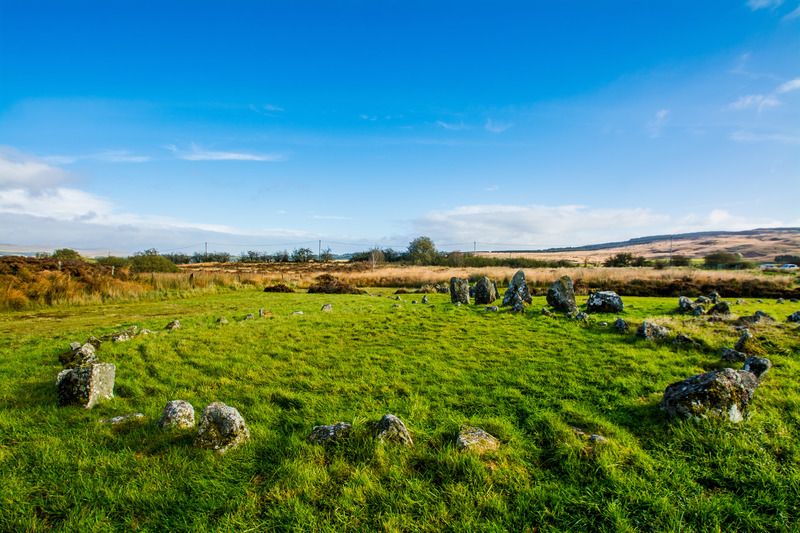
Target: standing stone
[(517, 292), (651, 332), (330, 434), (425, 299), (178, 414), (327, 308), (262, 313), (86, 385), (718, 394), (459, 290), (390, 428), (685, 305), (757, 365), (175, 324), (79, 355), (604, 302), (485, 291), (561, 295), (221, 428), (476, 440)]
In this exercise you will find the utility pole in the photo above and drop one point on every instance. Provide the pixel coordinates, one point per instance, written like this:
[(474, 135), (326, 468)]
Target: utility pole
[(474, 246), (319, 251), (670, 250), (205, 258)]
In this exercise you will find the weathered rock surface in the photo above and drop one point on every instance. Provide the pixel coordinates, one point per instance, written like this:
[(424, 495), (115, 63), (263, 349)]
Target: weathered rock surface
[(733, 356), (86, 385), (722, 394), (330, 434), (621, 326), (581, 317), (684, 341), (748, 344), (720, 308), (714, 297), (652, 332), (221, 428), (604, 302), (391, 429), (561, 295), (757, 365), (759, 317), (78, 355), (175, 324), (685, 305), (794, 317), (327, 308), (485, 291), (703, 300), (459, 290), (476, 440), (177, 414), (546, 312)]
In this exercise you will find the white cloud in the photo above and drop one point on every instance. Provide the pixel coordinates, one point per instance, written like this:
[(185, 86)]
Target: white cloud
[(109, 156), (455, 126), (20, 170), (195, 153), (539, 226), (657, 123), (494, 126), (750, 137), (755, 5), (789, 86), (758, 101)]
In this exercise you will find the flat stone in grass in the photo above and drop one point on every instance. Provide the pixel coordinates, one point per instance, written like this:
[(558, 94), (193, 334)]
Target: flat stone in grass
[(221, 428), (391, 429), (177, 414), (492, 308), (86, 385), (78, 355), (124, 420), (561, 295), (476, 440), (175, 324), (327, 308), (459, 290), (330, 434), (249, 316), (652, 332), (724, 394), (222, 321), (684, 341), (757, 365), (720, 309), (592, 438), (604, 302), (733, 356)]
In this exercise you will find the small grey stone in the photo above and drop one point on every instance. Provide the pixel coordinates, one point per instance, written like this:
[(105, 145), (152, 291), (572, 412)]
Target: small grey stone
[(327, 308), (650, 331), (779, 301), (546, 312), (621, 326), (592, 438), (720, 308), (757, 365), (297, 313), (476, 440), (413, 302), (124, 419), (175, 324), (262, 313), (221, 428), (222, 321), (249, 316), (396, 306), (177, 414), (425, 299), (83, 355), (603, 324), (492, 308), (794, 317), (330, 434), (390, 428), (733, 356)]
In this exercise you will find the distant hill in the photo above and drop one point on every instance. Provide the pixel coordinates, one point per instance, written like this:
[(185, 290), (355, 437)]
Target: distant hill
[(761, 244)]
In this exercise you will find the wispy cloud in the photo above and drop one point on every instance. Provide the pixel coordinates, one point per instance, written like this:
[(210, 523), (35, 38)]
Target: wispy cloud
[(755, 5), (195, 153), (789, 86), (109, 156), (453, 126), (331, 217), (657, 123), (21, 170), (794, 14), (757, 101), (495, 126), (750, 137)]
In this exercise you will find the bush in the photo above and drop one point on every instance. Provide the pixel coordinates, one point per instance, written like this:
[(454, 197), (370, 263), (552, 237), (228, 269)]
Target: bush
[(279, 287), (112, 261), (327, 284), (66, 254), (302, 255), (725, 260), (151, 261), (680, 261)]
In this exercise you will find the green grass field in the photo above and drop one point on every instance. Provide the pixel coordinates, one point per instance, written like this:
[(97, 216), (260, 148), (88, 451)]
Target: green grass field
[(525, 379)]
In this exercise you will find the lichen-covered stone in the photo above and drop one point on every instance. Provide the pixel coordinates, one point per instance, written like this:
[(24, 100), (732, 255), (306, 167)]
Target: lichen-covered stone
[(476, 440), (748, 344), (685, 305), (485, 291), (759, 317), (123, 335), (175, 324), (652, 332), (561, 295), (222, 321), (78, 355), (722, 394), (391, 429), (720, 309), (714, 297), (757, 365), (177, 414), (221, 428), (330, 434), (459, 290), (604, 302), (86, 385), (733, 356), (517, 294), (684, 341)]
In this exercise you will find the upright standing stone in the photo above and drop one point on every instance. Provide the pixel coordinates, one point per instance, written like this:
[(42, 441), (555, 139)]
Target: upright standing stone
[(459, 290), (221, 428), (517, 292), (485, 291), (86, 385), (390, 428), (561, 295)]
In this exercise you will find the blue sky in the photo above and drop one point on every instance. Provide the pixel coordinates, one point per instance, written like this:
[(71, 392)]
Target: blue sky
[(129, 125)]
